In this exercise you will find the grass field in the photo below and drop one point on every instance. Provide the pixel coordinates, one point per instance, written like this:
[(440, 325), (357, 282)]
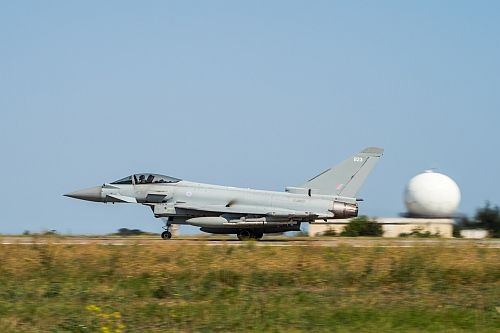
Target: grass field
[(171, 287)]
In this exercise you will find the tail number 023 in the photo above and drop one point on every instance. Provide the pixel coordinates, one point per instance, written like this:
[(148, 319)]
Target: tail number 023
[(358, 159)]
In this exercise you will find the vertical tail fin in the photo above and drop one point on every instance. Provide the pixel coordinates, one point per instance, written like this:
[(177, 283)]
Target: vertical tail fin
[(346, 178)]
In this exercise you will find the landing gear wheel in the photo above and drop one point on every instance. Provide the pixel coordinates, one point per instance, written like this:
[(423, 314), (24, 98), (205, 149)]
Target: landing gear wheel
[(258, 235), (166, 235), (168, 225), (244, 235)]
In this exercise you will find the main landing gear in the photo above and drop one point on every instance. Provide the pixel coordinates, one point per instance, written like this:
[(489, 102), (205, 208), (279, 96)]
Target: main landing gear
[(167, 234), (246, 234)]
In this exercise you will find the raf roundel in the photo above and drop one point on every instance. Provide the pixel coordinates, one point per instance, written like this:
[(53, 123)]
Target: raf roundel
[(432, 194)]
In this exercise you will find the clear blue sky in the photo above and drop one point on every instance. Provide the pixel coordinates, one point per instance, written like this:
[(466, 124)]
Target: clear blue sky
[(260, 94)]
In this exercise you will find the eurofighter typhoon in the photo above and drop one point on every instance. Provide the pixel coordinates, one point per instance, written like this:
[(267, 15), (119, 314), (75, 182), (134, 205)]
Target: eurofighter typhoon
[(245, 212)]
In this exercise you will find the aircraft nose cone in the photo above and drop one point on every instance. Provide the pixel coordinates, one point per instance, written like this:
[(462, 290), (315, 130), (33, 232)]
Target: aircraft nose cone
[(90, 194)]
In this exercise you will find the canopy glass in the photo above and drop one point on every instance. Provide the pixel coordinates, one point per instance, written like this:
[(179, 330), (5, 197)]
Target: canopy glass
[(146, 178)]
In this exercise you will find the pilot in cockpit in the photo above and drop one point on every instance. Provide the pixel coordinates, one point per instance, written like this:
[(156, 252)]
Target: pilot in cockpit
[(142, 179)]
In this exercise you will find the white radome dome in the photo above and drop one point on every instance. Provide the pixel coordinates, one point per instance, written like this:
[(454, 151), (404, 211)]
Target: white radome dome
[(432, 194)]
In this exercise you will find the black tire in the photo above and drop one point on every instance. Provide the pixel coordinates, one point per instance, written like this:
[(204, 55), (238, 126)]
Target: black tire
[(166, 235), (258, 235), (244, 235)]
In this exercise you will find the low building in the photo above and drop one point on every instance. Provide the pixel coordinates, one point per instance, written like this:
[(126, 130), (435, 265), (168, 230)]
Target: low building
[(392, 226), (474, 233)]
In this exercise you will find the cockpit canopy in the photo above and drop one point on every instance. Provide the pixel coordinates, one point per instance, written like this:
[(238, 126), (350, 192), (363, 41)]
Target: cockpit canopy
[(146, 178)]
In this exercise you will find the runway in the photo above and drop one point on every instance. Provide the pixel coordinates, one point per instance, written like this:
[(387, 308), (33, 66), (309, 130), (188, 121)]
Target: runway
[(276, 241)]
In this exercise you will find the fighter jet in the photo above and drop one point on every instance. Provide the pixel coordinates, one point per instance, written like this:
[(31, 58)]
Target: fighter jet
[(248, 213)]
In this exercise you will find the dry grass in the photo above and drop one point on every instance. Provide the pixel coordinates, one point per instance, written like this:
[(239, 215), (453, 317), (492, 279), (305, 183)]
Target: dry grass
[(171, 287)]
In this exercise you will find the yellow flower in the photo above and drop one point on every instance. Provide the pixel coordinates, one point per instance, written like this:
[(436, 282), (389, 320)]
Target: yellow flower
[(93, 307)]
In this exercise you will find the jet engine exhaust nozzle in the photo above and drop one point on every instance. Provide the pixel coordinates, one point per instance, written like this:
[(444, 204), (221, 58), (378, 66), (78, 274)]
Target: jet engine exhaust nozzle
[(344, 210)]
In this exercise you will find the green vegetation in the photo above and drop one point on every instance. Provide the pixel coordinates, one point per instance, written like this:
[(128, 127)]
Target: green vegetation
[(362, 226), (131, 232), (199, 288), (487, 217), (42, 233), (418, 232), (330, 233)]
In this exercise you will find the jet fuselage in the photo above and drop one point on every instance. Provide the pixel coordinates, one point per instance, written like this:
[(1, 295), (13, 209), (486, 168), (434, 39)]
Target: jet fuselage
[(247, 212)]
